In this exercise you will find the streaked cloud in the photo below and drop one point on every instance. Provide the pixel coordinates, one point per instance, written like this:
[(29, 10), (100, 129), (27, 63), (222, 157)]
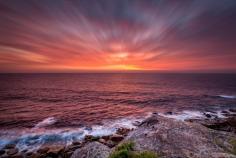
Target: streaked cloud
[(60, 35)]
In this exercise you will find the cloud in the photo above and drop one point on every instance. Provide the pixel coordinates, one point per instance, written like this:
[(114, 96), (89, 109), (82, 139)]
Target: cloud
[(90, 34)]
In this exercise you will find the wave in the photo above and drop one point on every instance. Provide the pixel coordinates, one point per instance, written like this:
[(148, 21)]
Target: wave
[(186, 114), (32, 139), (227, 96), (46, 122)]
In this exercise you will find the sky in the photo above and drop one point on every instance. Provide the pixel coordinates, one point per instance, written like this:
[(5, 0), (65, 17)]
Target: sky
[(117, 35)]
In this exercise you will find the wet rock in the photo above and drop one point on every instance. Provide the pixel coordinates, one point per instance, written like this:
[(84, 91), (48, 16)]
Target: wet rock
[(117, 138), (12, 151), (92, 150), (10, 146), (43, 150), (182, 139)]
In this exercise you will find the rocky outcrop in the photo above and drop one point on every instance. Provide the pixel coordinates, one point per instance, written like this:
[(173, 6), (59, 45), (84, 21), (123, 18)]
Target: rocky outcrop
[(226, 124), (172, 139), (92, 150)]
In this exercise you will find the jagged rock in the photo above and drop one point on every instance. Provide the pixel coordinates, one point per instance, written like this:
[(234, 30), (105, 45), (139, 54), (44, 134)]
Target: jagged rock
[(92, 150), (172, 138)]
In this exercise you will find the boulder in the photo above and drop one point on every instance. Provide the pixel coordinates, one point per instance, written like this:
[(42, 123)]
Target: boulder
[(92, 150), (172, 138)]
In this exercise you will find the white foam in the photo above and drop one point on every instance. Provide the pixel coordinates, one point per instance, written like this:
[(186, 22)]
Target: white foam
[(185, 115), (227, 96), (32, 139), (46, 122)]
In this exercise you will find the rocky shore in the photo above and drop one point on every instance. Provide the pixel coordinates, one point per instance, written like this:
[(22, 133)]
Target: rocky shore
[(209, 137)]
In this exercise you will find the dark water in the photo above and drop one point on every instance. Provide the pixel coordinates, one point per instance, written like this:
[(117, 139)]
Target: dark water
[(29, 102)]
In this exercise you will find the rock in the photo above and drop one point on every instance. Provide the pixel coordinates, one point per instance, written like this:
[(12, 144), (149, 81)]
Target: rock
[(117, 138), (12, 151), (150, 121), (55, 151), (77, 143), (110, 144), (169, 113), (224, 112), (122, 131), (43, 150), (2, 152), (136, 123), (103, 141), (88, 128), (92, 150), (106, 138), (90, 138), (73, 147), (19, 155), (172, 138), (207, 115), (10, 146), (232, 110)]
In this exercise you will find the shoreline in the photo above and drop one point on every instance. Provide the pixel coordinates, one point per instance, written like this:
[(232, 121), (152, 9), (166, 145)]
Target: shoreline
[(211, 120)]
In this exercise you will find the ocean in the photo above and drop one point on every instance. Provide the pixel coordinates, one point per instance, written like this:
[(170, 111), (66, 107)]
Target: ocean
[(39, 109)]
